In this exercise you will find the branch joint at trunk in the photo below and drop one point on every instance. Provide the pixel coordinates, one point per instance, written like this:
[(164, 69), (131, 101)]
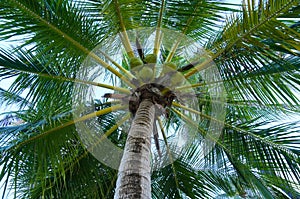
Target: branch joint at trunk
[(160, 95)]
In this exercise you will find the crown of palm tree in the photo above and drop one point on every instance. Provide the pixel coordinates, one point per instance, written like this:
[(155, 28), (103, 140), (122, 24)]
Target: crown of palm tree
[(256, 52)]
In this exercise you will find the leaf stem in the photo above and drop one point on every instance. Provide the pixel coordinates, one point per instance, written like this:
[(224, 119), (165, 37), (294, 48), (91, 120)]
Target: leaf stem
[(158, 35), (264, 140), (179, 39), (123, 35), (75, 43), (83, 118), (169, 152), (241, 37)]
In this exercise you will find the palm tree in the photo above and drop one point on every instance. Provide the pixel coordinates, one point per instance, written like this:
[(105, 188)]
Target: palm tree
[(65, 48)]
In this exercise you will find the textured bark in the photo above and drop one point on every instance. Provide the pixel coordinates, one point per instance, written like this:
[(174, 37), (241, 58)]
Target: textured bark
[(134, 180)]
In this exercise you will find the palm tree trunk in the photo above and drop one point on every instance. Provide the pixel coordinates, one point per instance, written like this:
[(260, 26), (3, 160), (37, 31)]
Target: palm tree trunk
[(134, 180)]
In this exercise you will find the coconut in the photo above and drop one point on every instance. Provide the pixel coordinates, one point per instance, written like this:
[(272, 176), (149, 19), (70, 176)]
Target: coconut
[(169, 67), (134, 62), (145, 74), (150, 58)]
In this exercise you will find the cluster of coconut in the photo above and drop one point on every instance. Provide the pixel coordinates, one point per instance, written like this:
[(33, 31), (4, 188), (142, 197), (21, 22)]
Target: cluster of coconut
[(144, 70)]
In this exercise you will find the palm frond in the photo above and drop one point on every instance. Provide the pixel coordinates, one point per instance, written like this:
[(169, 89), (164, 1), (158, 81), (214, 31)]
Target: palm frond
[(74, 39), (9, 98), (64, 155), (257, 155), (58, 25)]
